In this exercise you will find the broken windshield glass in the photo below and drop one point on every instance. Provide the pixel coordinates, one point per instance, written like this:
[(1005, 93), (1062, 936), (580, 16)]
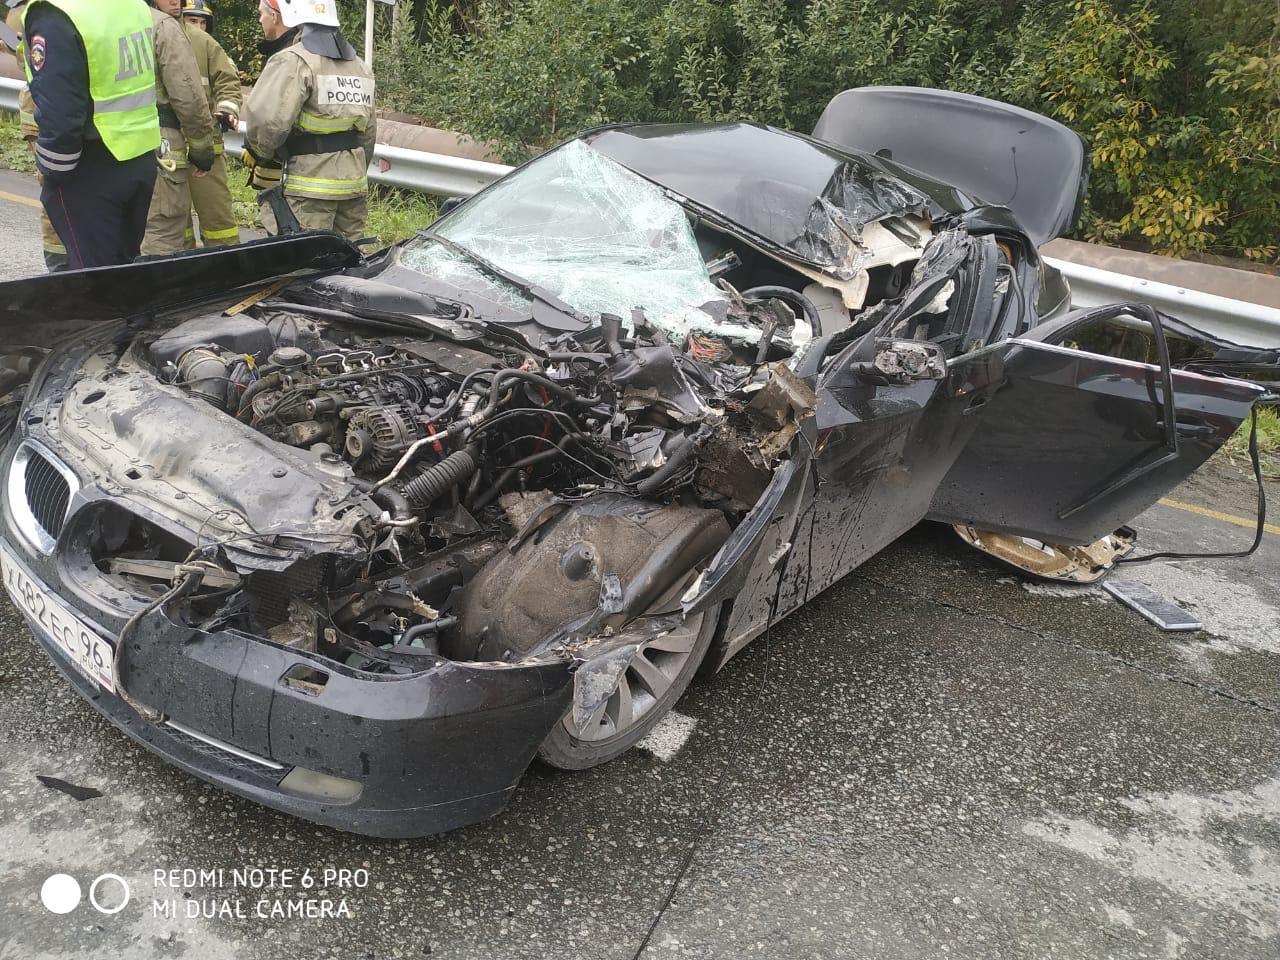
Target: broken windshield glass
[(588, 230)]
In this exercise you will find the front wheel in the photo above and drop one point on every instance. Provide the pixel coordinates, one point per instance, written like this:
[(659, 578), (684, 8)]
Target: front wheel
[(646, 691)]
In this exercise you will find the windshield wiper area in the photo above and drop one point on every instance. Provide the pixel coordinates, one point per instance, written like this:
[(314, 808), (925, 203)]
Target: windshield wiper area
[(547, 309), (386, 305)]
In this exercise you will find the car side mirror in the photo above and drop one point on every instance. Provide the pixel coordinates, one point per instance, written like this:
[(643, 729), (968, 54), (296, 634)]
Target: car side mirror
[(450, 204), (904, 361)]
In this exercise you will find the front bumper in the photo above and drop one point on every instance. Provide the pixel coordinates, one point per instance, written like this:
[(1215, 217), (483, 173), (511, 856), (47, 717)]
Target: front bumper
[(422, 754)]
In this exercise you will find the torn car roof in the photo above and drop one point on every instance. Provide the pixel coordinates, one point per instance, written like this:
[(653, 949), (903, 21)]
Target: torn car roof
[(803, 197)]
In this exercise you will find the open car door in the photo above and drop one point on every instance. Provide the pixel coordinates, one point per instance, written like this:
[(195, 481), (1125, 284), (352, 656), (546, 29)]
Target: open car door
[(1077, 443)]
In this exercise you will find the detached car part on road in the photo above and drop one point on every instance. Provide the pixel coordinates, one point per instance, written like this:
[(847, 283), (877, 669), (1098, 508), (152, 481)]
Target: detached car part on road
[(359, 537)]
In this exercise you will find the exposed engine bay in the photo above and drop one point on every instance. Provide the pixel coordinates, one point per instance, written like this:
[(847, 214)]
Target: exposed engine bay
[(506, 501)]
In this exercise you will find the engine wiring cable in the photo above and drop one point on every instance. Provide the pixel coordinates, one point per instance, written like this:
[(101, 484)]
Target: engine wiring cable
[(1259, 531), (514, 412)]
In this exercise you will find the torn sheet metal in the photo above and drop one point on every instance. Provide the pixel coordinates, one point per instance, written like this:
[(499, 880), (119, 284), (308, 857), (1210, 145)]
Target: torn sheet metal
[(1049, 561), (879, 247), (854, 197)]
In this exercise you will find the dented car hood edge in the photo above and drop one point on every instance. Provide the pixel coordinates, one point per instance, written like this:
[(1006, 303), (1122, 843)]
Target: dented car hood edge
[(42, 311)]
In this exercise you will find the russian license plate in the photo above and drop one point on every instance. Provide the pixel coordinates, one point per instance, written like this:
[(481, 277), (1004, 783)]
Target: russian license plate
[(90, 653)]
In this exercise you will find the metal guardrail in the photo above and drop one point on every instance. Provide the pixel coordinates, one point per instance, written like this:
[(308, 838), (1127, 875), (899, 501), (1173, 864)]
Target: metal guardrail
[(433, 173), (1090, 286), (9, 90), (1235, 320)]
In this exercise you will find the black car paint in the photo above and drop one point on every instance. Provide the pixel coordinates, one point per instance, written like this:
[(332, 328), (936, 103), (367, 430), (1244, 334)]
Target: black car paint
[(1029, 163), (1071, 447), (230, 686), (46, 309), (446, 746)]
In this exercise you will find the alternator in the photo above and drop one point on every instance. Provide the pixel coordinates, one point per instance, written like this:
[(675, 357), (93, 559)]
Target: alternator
[(381, 434)]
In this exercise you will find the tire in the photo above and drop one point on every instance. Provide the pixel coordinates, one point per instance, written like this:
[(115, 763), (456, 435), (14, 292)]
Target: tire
[(566, 748)]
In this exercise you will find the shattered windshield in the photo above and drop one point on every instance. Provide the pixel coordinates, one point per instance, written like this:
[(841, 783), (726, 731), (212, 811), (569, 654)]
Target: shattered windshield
[(588, 230)]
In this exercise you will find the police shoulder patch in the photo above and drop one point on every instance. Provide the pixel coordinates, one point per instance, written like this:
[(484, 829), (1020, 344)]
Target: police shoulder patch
[(37, 53)]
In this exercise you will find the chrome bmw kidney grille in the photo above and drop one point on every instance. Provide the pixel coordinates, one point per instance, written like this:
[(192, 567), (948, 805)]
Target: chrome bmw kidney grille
[(39, 492)]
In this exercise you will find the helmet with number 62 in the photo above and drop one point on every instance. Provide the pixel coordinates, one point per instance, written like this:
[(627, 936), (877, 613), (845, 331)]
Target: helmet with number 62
[(297, 12)]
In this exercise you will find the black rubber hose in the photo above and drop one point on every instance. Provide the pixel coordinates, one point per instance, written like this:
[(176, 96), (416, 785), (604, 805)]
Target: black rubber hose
[(793, 297), (424, 489), (255, 388), (512, 373), (429, 633), (534, 458), (372, 600), (611, 331), (675, 462), (389, 498)]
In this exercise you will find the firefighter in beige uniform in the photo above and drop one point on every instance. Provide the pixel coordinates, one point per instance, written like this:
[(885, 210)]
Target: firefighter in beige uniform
[(210, 195), (55, 254), (311, 115), (185, 123)]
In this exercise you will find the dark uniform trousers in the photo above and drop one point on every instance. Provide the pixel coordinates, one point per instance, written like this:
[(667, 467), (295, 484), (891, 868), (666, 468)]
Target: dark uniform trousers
[(101, 212)]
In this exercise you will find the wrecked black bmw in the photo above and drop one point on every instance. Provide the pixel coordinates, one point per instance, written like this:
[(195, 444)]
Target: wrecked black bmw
[(360, 537)]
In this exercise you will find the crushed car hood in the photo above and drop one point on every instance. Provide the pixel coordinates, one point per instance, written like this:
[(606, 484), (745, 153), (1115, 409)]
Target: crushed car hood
[(44, 310)]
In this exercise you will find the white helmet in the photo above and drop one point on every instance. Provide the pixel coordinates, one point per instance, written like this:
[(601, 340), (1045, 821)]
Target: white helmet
[(295, 12)]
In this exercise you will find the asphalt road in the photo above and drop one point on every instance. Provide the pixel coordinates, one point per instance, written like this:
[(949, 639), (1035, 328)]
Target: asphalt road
[(20, 254), (935, 758)]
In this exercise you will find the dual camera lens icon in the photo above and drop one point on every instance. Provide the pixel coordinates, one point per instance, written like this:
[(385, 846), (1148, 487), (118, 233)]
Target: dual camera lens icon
[(108, 893)]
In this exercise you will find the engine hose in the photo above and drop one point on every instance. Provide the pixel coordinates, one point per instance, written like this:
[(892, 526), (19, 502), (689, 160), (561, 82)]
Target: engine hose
[(255, 388), (389, 498), (381, 599), (509, 474), (428, 633), (675, 461), (611, 331), (512, 373), (424, 489)]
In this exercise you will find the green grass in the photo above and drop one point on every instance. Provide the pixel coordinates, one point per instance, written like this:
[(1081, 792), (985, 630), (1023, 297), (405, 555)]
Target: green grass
[(1268, 442), (394, 215), (14, 152)]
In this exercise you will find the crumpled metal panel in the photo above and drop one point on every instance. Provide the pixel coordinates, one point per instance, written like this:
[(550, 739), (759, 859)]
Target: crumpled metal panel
[(40, 311)]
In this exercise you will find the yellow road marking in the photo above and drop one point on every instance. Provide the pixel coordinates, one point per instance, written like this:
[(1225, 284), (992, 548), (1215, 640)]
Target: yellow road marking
[(14, 198), (1219, 515)]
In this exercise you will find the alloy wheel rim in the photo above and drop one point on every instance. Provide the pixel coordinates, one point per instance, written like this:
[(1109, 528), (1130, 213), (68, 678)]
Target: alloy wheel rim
[(650, 674)]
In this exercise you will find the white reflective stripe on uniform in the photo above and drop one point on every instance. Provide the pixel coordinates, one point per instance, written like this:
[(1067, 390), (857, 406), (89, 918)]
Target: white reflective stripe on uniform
[(57, 162), (48, 154), (130, 101)]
